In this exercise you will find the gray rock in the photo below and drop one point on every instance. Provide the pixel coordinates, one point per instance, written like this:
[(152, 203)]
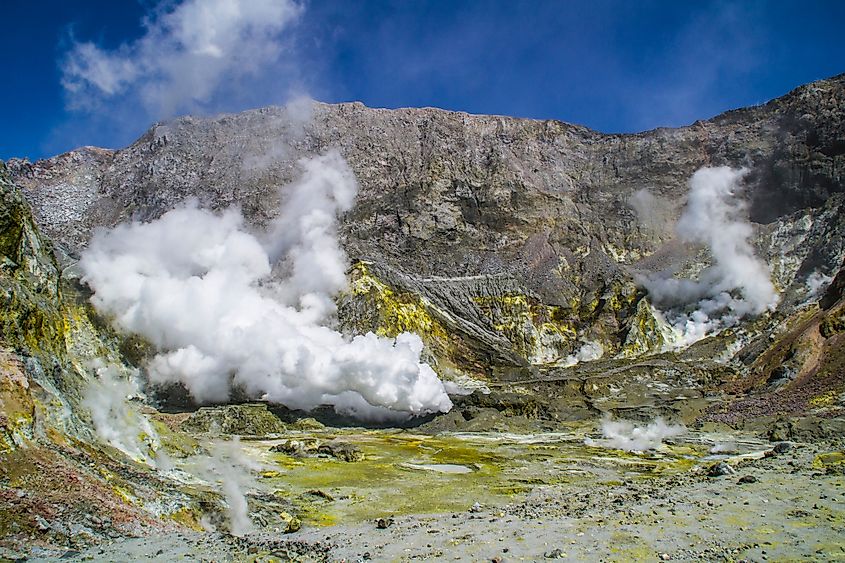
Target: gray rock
[(475, 207), (297, 447), (517, 238), (41, 523), (343, 451), (720, 469), (384, 523), (780, 431), (313, 447), (782, 447)]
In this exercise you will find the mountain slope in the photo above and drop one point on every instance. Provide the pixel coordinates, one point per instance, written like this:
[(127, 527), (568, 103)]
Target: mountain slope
[(509, 244)]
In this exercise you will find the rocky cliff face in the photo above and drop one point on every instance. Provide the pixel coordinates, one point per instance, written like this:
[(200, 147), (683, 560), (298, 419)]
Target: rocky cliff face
[(508, 244), (78, 457)]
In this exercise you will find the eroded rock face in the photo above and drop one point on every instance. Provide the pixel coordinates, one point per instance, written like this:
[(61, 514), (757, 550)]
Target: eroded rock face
[(507, 243), (51, 344), (46, 337), (238, 420)]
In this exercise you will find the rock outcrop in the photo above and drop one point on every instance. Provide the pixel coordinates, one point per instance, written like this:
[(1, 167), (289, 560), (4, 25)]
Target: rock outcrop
[(63, 476)]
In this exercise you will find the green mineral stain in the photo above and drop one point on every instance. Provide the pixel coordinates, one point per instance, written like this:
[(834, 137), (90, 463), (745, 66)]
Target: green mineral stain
[(400, 474)]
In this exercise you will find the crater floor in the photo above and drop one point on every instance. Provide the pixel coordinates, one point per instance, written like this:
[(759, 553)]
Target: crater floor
[(525, 497)]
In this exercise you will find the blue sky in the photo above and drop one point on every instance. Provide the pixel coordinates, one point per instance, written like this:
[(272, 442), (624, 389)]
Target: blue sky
[(100, 72)]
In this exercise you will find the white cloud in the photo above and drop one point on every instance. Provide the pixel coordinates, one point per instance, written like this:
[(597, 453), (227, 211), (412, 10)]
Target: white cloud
[(186, 57)]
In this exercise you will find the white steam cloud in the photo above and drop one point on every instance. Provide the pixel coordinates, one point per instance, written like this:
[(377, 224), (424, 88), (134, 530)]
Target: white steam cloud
[(590, 351), (622, 435), (737, 284), (189, 54), (199, 287)]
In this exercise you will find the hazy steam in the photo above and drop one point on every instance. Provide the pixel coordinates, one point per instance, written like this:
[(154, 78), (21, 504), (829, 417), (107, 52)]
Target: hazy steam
[(816, 284), (590, 351), (737, 283), (199, 287), (283, 131), (229, 467), (621, 435), (115, 421), (652, 212)]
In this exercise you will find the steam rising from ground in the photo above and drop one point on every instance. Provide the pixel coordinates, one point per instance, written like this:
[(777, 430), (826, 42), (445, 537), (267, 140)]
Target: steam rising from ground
[(199, 287), (590, 351), (228, 466), (816, 284), (115, 421), (737, 283), (120, 425), (621, 435)]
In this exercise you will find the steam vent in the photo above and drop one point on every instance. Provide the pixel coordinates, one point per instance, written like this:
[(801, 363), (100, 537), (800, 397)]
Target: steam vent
[(329, 332)]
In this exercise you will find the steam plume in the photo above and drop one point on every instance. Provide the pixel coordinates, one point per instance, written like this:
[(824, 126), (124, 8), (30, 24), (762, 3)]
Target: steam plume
[(621, 435), (115, 421), (816, 284), (737, 283), (590, 351), (198, 286), (228, 466)]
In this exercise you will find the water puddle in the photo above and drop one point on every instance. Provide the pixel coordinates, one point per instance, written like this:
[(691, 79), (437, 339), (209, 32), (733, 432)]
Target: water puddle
[(449, 468)]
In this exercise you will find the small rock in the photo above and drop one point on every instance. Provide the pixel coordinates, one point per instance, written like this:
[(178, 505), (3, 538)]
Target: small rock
[(780, 431), (747, 479), (383, 523), (665, 557), (720, 469), (292, 523), (476, 507), (782, 447), (321, 494), (42, 524), (554, 554)]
